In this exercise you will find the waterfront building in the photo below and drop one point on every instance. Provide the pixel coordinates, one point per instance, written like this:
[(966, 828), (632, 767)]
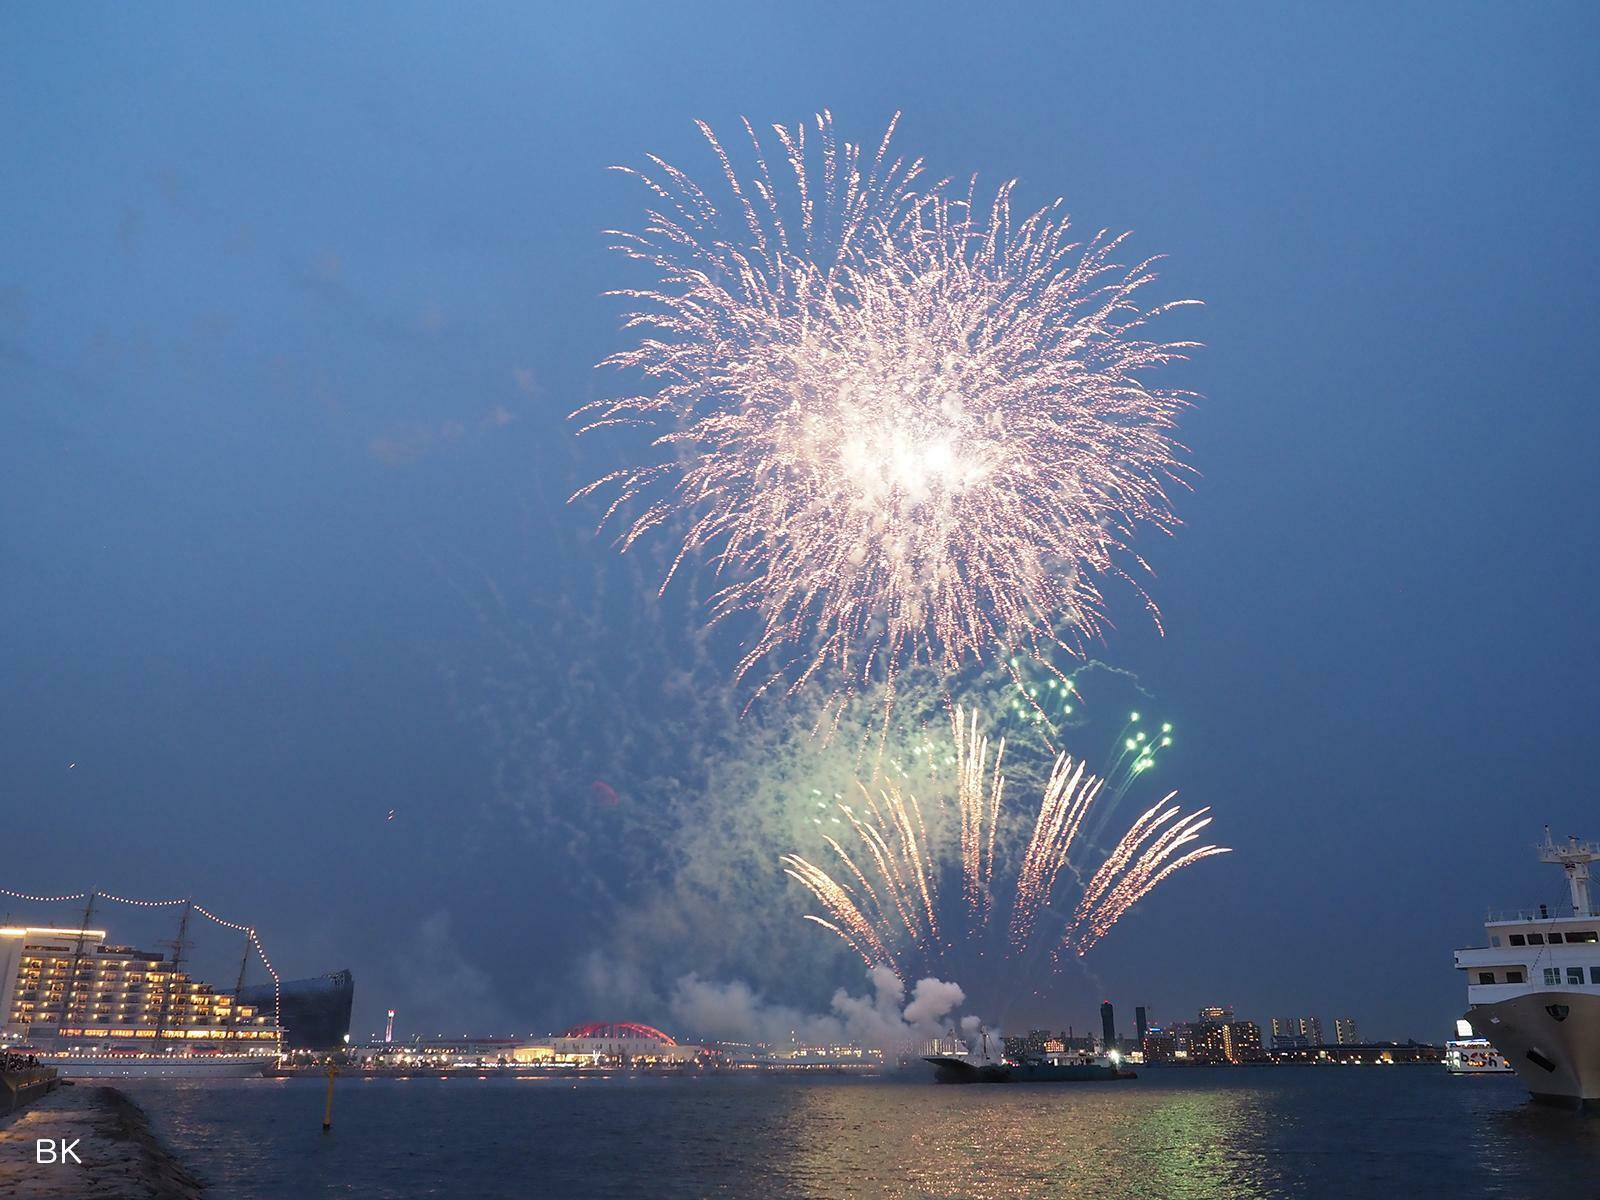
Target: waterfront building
[(597, 1044), (1285, 1032), (314, 1014), (1141, 1024), (1241, 1041), (1219, 1042), (1344, 1031), (1159, 1046), (1108, 1025), (1205, 1043), (1293, 1032), (1037, 1041), (72, 986), (622, 1042), (1360, 1053), (1217, 1014)]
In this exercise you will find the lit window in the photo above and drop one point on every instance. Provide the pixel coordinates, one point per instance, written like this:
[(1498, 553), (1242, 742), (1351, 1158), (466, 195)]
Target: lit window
[(1583, 935)]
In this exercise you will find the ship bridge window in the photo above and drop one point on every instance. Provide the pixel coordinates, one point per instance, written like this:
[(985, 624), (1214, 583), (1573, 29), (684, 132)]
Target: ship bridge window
[(1552, 976), (1485, 976), (1518, 940), (1575, 975), (1536, 939), (1555, 939), (1516, 976), (1594, 974), (1582, 935)]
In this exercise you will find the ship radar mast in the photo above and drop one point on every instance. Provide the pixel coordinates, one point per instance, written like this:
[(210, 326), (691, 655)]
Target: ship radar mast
[(1574, 858)]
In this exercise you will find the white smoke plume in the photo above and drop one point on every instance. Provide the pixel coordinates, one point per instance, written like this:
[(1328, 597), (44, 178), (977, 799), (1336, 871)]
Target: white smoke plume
[(883, 1018)]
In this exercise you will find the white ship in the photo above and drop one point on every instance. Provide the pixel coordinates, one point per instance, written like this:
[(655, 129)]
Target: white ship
[(78, 1064), (72, 1001), (1465, 1054), (1534, 991)]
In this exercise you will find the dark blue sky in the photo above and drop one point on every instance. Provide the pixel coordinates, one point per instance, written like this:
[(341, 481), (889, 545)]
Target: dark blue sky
[(293, 303)]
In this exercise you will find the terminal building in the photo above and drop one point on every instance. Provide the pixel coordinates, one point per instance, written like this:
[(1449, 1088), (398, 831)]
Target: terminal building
[(625, 1043), (597, 1043), (313, 1013)]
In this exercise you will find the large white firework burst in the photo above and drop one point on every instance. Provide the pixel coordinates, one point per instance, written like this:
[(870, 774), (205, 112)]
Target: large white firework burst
[(901, 424)]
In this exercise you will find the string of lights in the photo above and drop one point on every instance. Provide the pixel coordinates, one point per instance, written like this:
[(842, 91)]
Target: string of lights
[(43, 899), (247, 930)]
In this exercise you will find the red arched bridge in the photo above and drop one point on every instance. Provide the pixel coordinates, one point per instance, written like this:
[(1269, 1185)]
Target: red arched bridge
[(619, 1029)]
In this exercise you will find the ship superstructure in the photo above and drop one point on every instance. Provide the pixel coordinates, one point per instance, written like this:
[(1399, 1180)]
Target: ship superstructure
[(92, 1007), (1534, 990)]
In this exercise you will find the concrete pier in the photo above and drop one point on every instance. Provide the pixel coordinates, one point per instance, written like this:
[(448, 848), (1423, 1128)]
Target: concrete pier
[(87, 1142), (21, 1087)]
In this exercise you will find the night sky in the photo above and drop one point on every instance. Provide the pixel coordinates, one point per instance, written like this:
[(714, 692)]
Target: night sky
[(294, 303)]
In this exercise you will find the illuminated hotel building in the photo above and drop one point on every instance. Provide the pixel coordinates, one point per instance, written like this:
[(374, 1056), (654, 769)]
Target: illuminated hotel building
[(1241, 1041), (69, 984)]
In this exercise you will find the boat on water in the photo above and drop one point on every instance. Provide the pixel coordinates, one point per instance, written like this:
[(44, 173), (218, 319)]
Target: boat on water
[(1466, 1054), (1051, 1068), (1533, 992), (1474, 1056)]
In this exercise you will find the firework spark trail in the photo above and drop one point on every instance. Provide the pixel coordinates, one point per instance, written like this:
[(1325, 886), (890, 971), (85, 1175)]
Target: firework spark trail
[(908, 861), (1140, 861), (898, 837), (912, 429), (979, 808), (1067, 797), (843, 907), (1122, 853)]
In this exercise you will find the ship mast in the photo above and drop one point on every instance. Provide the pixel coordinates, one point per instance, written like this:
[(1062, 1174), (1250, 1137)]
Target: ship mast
[(1573, 858), (77, 957), (177, 944), (244, 962)]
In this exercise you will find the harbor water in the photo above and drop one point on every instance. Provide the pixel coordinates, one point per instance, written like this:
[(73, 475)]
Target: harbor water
[(1343, 1133)]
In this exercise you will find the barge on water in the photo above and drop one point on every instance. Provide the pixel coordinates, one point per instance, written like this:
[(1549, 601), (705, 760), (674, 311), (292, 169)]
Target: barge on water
[(1051, 1069)]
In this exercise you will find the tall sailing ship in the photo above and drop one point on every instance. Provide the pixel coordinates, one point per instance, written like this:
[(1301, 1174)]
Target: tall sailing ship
[(90, 1008), (1534, 990)]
